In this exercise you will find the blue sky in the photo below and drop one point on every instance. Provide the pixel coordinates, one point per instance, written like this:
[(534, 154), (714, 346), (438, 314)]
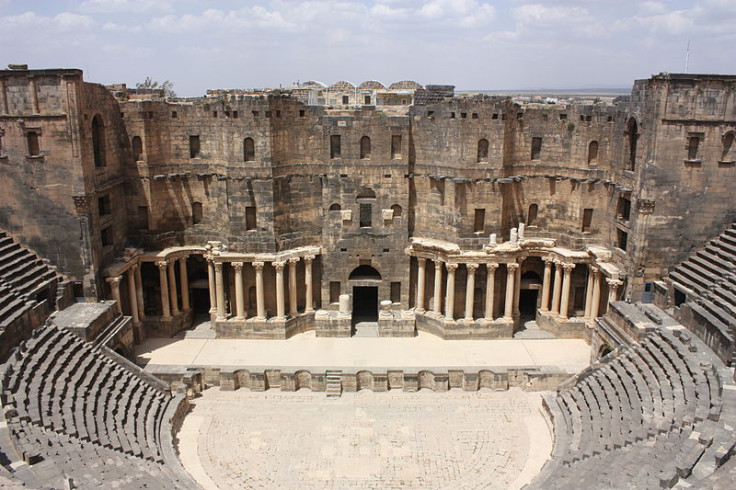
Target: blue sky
[(473, 44)]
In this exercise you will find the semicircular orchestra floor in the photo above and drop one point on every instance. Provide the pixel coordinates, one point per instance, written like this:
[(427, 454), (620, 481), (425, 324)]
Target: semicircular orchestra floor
[(304, 440)]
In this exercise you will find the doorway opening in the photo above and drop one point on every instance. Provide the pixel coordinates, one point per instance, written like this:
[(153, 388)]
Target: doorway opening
[(365, 304), (528, 303)]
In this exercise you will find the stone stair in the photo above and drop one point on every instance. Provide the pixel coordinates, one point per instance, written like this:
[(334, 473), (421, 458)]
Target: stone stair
[(333, 383)]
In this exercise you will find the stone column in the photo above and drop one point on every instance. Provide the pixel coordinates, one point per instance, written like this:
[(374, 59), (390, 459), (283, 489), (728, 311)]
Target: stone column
[(545, 284), (220, 291), (114, 283), (293, 312), (490, 290), (437, 307), (421, 271), (557, 288), (172, 288), (450, 300), (517, 289), (260, 300), (309, 300), (511, 269), (165, 305), (184, 284), (133, 294), (470, 291), (592, 271), (239, 299), (596, 294), (613, 285), (279, 266), (565, 303), (139, 291), (212, 287)]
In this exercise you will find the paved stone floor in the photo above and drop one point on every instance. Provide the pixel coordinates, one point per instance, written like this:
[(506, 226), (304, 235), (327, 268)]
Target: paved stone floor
[(365, 440), (307, 351)]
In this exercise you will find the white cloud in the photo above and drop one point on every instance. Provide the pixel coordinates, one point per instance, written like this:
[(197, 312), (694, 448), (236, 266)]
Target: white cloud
[(119, 6), (63, 21)]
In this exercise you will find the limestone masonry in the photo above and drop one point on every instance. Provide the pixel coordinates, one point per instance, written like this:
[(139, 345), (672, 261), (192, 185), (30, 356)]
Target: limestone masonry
[(126, 215)]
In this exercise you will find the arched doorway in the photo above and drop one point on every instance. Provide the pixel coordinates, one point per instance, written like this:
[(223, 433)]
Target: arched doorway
[(364, 280)]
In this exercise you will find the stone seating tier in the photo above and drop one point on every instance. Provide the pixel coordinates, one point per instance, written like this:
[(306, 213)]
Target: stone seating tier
[(657, 402), (69, 405)]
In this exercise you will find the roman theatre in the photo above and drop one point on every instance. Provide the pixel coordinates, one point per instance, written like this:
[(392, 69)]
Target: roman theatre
[(368, 285)]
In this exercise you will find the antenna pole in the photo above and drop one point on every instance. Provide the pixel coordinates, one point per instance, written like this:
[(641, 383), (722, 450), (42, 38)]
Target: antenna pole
[(687, 56)]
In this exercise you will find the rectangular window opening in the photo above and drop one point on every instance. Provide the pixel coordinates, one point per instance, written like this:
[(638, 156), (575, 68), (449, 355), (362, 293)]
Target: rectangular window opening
[(335, 146), (396, 147), (367, 100), (103, 205), (366, 212), (302, 113), (622, 239), (250, 218), (106, 236), (34, 149), (536, 148), (196, 213), (623, 210), (194, 146), (174, 115), (334, 291), (587, 219), (142, 217), (396, 292), (480, 221), (345, 100)]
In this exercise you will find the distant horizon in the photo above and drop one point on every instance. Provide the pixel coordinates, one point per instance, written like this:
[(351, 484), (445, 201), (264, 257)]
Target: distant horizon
[(472, 43)]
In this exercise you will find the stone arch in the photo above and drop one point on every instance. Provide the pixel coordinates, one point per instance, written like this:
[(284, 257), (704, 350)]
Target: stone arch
[(137, 144), (364, 380), (341, 86), (371, 85), (425, 379), (482, 150), (335, 206), (405, 85), (592, 152), (366, 193), (397, 210), (363, 273), (365, 147), (729, 147), (249, 150), (604, 350), (98, 141), (302, 379)]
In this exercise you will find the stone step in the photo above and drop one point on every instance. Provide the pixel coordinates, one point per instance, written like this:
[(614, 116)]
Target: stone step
[(333, 383)]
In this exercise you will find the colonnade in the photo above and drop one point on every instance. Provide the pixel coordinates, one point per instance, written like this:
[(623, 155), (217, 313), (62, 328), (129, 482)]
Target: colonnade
[(217, 288), (555, 294), (135, 292), (512, 300), (167, 280)]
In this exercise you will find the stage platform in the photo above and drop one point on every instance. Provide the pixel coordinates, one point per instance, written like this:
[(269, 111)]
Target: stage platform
[(168, 358)]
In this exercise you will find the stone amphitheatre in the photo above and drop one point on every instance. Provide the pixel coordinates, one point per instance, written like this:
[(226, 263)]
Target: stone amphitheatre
[(366, 286)]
